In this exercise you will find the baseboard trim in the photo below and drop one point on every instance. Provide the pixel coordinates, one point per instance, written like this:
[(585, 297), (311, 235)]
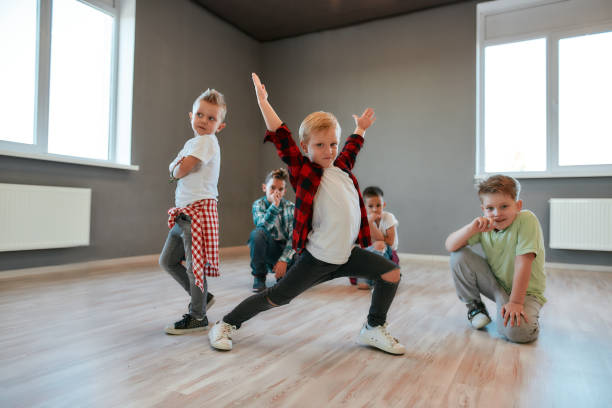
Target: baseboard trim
[(547, 265), (580, 267), (424, 257), (101, 265), (242, 250)]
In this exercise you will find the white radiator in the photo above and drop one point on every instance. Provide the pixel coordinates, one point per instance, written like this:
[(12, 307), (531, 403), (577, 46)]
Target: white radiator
[(581, 223), (37, 217)]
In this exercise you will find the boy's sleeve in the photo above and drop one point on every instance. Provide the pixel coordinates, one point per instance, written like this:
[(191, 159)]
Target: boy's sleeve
[(180, 154), (173, 163), (287, 151), (288, 251), (349, 152), (262, 217), (391, 220), (529, 235), (474, 239), (204, 149)]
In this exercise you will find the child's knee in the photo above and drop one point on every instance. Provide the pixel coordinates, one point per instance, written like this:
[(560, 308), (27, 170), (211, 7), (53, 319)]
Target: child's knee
[(458, 257), (164, 261), (258, 235), (392, 276), (525, 333)]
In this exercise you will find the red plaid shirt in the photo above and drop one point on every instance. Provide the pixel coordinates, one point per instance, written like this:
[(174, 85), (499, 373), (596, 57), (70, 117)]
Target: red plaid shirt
[(305, 177)]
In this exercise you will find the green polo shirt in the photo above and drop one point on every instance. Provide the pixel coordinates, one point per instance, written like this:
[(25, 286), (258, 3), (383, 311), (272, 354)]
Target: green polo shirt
[(523, 236)]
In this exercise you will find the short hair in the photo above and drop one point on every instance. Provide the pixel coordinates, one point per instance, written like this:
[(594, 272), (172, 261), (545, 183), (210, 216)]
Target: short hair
[(373, 191), (317, 121), (500, 183), (213, 97), (280, 174)]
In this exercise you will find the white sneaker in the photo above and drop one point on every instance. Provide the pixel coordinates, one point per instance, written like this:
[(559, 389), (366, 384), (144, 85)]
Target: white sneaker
[(380, 338), (220, 336), (480, 320), (477, 314)]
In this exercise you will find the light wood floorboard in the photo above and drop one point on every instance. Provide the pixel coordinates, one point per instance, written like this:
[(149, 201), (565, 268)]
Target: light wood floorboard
[(95, 338)]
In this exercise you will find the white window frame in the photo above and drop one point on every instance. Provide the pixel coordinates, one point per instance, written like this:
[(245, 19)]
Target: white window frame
[(552, 38), (119, 139)]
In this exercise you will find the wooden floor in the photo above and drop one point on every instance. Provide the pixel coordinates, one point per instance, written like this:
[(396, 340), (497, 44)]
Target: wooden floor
[(95, 338)]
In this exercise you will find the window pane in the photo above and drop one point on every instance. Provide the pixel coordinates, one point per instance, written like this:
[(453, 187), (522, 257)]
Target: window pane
[(585, 100), (18, 21), (79, 96), (515, 107)]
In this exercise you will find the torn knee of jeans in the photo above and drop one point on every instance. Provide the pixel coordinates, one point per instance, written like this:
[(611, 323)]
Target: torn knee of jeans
[(271, 303)]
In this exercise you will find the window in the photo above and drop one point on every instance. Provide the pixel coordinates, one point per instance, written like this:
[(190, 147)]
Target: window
[(18, 70), (59, 79), (544, 88)]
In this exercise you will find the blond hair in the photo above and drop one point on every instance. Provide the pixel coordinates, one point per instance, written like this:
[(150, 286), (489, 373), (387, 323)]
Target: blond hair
[(500, 183), (318, 121), (213, 97)]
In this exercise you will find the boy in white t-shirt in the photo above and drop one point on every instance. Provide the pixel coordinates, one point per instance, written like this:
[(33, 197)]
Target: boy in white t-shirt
[(330, 218), (193, 223), (383, 227)]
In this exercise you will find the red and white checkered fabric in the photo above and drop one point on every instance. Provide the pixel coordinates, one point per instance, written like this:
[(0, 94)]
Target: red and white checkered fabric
[(204, 237)]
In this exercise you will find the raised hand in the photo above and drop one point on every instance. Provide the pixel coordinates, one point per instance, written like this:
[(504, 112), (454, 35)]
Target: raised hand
[(364, 121), (260, 89), (272, 120), (482, 224), (276, 198)]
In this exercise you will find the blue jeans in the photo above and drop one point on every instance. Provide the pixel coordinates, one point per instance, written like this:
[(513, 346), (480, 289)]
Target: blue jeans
[(177, 248), (265, 252)]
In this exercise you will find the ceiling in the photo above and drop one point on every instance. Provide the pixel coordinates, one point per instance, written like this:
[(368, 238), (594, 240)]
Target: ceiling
[(268, 20)]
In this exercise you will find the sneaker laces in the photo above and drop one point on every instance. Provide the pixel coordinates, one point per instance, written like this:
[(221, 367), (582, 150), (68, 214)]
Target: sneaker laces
[(227, 330), (388, 335)]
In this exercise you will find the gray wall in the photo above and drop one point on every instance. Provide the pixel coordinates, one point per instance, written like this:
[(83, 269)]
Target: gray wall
[(180, 51), (416, 71)]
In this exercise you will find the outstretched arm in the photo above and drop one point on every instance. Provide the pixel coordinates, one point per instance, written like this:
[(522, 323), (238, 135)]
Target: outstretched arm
[(272, 120)]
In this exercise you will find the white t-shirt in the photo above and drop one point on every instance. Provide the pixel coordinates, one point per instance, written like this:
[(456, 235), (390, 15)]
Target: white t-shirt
[(336, 218), (202, 181), (388, 220)]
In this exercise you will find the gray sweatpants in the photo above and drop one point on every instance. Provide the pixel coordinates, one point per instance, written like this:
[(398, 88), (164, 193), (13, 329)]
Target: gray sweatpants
[(177, 248), (473, 276)]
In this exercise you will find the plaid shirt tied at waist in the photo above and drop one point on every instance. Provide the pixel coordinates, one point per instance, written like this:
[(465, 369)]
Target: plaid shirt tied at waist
[(204, 237)]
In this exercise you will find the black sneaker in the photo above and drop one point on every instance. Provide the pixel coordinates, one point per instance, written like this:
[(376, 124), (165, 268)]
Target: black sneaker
[(187, 325), (259, 284), (210, 300), (477, 314)]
